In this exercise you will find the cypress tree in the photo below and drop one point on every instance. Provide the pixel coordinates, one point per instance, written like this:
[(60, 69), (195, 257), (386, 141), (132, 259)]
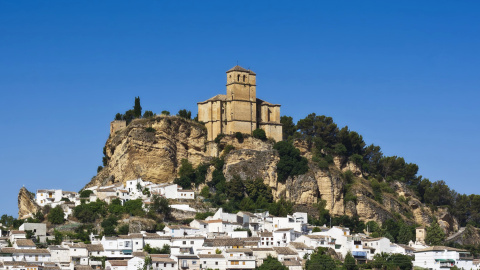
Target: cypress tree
[(137, 109)]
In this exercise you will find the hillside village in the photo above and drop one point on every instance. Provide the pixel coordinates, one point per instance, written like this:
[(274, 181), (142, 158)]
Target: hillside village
[(222, 241), (232, 140)]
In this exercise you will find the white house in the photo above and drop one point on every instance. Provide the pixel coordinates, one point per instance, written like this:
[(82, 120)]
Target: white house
[(441, 257), (156, 241), (116, 265), (60, 255), (48, 196), (316, 240), (163, 262), (28, 255), (240, 258), (266, 239), (212, 261), (117, 247), (378, 245), (179, 230), (223, 216), (187, 244), (78, 253), (281, 237)]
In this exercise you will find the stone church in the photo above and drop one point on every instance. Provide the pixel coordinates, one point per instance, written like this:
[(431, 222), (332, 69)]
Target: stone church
[(240, 110)]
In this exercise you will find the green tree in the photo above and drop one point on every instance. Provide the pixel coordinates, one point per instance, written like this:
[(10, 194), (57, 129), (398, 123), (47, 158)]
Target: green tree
[(185, 114), (124, 229), (186, 175), (291, 163), (165, 113), (118, 116), (319, 260), (435, 235), (161, 206), (56, 215), (257, 188), (85, 193), (137, 109), (148, 114), (271, 263), (134, 207), (235, 188), (405, 234), (288, 127), (259, 134), (350, 263), (129, 116)]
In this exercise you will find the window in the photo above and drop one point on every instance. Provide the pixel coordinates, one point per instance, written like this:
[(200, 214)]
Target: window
[(191, 242), (194, 262), (243, 263), (238, 77), (216, 263), (184, 242), (204, 262), (244, 77)]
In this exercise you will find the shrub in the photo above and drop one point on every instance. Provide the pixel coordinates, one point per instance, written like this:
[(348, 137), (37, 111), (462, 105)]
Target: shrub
[(150, 129), (148, 114), (259, 134), (134, 207), (291, 163), (56, 215), (165, 113), (239, 136), (227, 149), (322, 163), (123, 229), (203, 216), (99, 168), (185, 114), (219, 137)]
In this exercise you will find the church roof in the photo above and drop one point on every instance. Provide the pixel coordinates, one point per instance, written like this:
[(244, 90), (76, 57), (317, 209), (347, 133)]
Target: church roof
[(239, 68), (215, 98)]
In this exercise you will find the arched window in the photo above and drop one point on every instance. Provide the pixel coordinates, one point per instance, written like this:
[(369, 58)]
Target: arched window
[(244, 78), (238, 77)]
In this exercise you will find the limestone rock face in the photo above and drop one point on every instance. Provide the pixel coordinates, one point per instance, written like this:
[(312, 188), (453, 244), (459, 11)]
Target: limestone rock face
[(26, 204), (252, 164), (153, 149), (137, 224), (154, 155)]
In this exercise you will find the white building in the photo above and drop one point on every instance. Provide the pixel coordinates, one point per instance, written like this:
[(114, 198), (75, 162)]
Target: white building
[(48, 196), (240, 258), (212, 261), (440, 257), (117, 247)]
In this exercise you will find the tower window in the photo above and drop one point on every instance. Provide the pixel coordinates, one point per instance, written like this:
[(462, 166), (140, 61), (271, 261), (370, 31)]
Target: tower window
[(238, 77), (244, 78)]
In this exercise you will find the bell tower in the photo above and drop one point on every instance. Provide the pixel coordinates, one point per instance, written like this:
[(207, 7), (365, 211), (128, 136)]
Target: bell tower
[(241, 114)]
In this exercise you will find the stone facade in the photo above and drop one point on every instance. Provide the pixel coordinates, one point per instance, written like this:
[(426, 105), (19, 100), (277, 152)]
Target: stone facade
[(240, 110), (117, 125)]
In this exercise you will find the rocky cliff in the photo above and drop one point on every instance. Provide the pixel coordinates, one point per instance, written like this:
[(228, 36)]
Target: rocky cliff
[(26, 204), (153, 148)]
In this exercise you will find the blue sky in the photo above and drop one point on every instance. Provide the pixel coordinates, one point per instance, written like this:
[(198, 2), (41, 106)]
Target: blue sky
[(404, 74)]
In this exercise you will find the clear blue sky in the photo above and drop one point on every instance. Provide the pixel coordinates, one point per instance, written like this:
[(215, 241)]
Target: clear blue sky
[(404, 74)]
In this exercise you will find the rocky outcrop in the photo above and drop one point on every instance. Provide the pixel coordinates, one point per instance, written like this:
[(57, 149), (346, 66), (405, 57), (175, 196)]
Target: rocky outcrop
[(137, 224), (468, 236), (26, 204), (152, 149)]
